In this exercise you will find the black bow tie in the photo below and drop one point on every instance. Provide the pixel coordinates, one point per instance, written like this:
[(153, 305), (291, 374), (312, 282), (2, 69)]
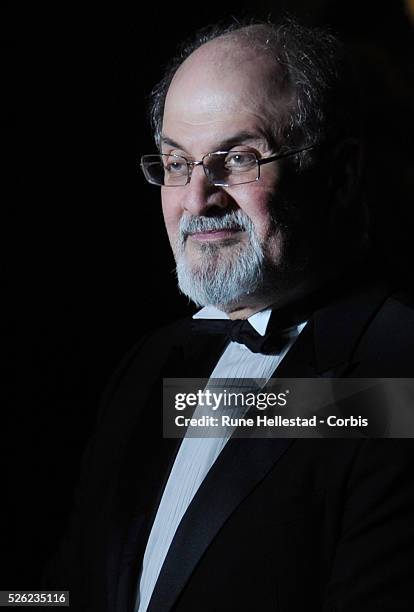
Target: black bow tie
[(243, 332), (284, 320)]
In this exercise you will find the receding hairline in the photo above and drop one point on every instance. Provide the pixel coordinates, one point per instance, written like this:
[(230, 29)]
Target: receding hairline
[(313, 69), (258, 36), (256, 40), (247, 44)]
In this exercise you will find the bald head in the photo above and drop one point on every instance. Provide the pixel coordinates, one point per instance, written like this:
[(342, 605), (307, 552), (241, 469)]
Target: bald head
[(303, 63), (227, 75), (236, 49)]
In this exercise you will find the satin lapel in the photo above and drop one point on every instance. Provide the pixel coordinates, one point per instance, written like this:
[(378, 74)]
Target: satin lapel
[(143, 468), (339, 327), (148, 458), (201, 353), (327, 345), (238, 470), (139, 458), (300, 361)]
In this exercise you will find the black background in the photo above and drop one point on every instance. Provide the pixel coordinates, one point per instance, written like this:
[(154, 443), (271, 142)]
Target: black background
[(89, 262)]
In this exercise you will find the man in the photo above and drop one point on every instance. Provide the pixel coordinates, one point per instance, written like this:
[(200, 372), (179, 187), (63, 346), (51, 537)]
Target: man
[(259, 162)]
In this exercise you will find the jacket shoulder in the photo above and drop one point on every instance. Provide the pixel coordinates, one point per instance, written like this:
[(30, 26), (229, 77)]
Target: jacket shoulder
[(146, 354), (388, 342)]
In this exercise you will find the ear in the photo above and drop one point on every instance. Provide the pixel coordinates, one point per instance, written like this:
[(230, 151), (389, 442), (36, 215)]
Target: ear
[(346, 170)]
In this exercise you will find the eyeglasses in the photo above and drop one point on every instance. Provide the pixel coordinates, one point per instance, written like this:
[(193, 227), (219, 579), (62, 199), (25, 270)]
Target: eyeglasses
[(222, 168)]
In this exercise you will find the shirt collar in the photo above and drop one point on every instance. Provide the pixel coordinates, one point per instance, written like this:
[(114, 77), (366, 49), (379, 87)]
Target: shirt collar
[(259, 320)]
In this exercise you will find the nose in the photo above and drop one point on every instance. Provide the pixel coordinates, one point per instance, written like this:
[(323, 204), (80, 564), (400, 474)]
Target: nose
[(200, 197)]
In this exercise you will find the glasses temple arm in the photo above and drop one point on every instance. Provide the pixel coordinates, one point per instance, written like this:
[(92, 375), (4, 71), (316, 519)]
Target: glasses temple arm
[(281, 155)]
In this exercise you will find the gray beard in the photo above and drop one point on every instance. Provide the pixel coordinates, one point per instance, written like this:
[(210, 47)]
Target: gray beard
[(220, 280)]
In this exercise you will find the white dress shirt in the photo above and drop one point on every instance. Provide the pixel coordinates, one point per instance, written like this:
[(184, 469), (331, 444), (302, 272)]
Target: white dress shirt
[(196, 455)]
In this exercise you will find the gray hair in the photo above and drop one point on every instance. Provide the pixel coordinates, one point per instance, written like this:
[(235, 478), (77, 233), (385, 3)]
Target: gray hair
[(315, 68), (221, 284)]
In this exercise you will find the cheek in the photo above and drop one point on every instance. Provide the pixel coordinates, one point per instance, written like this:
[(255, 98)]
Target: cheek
[(260, 205), (257, 203), (171, 211)]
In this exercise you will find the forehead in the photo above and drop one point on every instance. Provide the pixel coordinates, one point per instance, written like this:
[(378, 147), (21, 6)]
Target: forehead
[(223, 88)]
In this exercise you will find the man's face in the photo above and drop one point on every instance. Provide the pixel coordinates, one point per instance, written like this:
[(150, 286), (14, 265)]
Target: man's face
[(217, 103)]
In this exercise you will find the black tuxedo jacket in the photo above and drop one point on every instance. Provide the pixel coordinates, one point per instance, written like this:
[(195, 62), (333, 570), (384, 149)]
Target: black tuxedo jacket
[(278, 524)]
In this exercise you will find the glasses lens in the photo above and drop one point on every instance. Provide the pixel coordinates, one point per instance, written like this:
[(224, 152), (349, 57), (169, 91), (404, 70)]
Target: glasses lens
[(168, 170), (231, 168)]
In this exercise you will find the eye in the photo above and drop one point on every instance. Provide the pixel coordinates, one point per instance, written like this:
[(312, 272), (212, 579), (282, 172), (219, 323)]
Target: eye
[(174, 165), (240, 160)]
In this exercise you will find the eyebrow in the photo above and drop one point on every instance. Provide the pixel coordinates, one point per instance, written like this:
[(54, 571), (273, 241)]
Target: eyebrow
[(239, 138)]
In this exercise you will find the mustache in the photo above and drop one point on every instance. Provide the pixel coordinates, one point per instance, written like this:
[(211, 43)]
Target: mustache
[(236, 220)]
